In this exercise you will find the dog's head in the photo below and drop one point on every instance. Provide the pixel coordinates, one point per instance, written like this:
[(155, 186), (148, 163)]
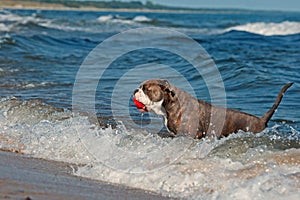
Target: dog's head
[(152, 94)]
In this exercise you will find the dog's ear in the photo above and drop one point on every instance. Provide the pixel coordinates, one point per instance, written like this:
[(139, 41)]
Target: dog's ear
[(170, 91), (166, 86), (165, 83)]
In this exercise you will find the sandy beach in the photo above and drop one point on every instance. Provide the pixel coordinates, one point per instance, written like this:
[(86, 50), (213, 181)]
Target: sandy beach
[(23, 177)]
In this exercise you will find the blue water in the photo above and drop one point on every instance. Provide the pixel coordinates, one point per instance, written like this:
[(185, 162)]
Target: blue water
[(41, 52), (52, 62)]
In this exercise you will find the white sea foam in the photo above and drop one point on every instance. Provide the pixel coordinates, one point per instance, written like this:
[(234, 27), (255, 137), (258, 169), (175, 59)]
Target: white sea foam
[(24, 85), (5, 27), (7, 71), (8, 17), (13, 21), (115, 19), (232, 168), (105, 18), (141, 18), (53, 25), (269, 29), (10, 22)]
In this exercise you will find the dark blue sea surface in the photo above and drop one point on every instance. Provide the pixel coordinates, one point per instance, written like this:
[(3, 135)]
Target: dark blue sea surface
[(54, 63)]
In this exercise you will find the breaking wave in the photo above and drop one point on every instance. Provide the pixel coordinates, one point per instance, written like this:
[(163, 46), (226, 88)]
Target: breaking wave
[(180, 167), (120, 19), (142, 19), (11, 22), (269, 29)]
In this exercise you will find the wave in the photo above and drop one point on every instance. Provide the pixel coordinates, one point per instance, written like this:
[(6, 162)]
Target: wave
[(10, 17), (105, 18), (142, 18), (115, 19), (5, 71), (126, 20), (269, 29), (179, 167), (10, 22), (28, 85), (5, 27)]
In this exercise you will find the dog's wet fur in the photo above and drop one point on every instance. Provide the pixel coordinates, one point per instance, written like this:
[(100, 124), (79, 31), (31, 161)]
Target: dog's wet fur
[(185, 115)]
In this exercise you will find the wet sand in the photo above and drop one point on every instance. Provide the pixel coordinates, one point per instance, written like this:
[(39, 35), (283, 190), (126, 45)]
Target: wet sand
[(23, 177)]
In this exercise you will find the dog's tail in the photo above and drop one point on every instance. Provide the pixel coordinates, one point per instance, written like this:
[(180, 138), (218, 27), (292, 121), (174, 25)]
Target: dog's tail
[(270, 113)]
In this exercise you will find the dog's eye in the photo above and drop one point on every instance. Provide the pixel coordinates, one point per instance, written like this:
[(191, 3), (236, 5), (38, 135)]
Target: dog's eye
[(145, 88)]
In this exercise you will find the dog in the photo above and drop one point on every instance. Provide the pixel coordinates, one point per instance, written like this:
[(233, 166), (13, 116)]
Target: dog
[(188, 116)]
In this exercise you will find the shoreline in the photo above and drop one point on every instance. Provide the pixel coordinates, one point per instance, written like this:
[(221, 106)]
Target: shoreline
[(31, 5), (58, 7), (25, 177), (21, 5)]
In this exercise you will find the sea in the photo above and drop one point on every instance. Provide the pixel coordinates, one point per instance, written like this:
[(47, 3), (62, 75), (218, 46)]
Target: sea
[(67, 80)]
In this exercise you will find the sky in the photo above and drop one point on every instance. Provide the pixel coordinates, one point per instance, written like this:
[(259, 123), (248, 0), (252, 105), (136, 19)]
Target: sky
[(286, 5)]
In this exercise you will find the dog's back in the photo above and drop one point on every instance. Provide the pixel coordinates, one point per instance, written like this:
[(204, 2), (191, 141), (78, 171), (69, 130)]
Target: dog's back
[(237, 120)]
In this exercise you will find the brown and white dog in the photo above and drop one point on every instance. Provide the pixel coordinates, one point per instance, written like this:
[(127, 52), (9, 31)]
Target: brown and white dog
[(185, 115)]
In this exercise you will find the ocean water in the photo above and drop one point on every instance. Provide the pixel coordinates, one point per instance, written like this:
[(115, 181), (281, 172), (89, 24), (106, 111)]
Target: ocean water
[(66, 83)]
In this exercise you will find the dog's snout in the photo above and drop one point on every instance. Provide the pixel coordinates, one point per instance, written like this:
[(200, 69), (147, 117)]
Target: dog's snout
[(135, 91)]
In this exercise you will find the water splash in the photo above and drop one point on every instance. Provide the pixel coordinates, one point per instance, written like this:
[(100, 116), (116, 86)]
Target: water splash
[(242, 165)]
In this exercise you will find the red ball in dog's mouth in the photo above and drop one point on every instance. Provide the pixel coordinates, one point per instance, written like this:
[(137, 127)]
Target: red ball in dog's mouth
[(140, 106)]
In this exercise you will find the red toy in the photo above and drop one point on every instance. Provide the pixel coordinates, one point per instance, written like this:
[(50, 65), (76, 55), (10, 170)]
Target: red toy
[(139, 105)]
